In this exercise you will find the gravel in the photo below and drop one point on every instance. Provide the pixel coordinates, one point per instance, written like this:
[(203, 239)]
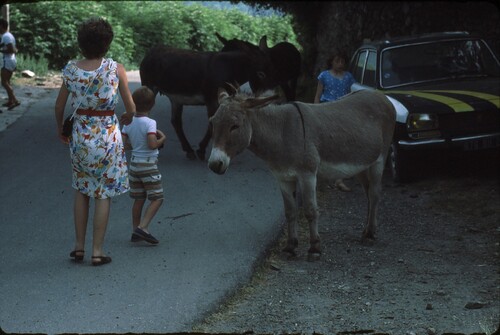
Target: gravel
[(434, 268)]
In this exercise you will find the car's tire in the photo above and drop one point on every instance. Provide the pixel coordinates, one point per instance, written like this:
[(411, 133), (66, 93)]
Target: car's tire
[(399, 164)]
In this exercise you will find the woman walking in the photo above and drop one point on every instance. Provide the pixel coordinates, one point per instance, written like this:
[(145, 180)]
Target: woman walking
[(96, 148)]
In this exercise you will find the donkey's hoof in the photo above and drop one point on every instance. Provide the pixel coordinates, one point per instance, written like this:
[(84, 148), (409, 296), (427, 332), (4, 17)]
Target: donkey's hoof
[(201, 155), (291, 245), (290, 250), (190, 155), (314, 250), (313, 257), (368, 239), (315, 247), (368, 242)]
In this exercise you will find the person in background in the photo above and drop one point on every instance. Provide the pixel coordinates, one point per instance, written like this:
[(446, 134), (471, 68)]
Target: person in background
[(144, 139), (8, 48), (334, 83), (98, 158)]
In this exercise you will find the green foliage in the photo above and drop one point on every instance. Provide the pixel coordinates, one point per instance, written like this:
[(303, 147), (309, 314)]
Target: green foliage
[(39, 66), (46, 30), (153, 23)]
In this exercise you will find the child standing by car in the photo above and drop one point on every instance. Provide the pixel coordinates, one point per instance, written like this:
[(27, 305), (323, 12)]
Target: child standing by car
[(334, 83), (144, 139)]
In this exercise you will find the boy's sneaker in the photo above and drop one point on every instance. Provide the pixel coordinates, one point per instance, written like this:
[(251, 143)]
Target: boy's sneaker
[(141, 234), (135, 238)]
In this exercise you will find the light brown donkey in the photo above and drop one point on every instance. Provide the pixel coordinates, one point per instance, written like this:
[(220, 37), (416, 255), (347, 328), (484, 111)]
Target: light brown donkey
[(303, 142)]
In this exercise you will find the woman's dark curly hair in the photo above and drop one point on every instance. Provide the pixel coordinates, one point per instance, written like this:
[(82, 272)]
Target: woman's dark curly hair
[(94, 37), (339, 54)]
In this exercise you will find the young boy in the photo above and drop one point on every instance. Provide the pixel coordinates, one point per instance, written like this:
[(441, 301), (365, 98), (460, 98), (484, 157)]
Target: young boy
[(145, 179)]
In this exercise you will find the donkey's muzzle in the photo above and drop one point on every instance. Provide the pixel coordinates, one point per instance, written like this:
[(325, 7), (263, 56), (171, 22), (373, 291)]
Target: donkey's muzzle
[(217, 167), (218, 161)]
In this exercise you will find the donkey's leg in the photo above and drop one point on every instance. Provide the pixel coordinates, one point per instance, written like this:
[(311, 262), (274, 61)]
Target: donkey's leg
[(287, 91), (211, 109), (176, 121), (364, 179), (287, 188), (293, 88), (308, 187), (204, 143), (371, 179)]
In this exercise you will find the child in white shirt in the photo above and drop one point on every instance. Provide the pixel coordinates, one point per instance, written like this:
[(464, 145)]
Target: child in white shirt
[(144, 139)]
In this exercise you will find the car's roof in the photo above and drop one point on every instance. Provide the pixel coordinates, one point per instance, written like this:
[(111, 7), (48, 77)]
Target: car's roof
[(416, 38)]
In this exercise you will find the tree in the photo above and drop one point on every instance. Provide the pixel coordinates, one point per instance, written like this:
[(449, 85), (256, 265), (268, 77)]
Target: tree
[(323, 26)]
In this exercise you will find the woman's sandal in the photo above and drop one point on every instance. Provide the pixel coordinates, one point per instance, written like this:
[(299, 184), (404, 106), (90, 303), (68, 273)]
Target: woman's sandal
[(102, 260), (77, 255), (13, 105)]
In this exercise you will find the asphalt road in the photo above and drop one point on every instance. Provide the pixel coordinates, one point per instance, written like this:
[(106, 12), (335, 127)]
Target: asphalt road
[(212, 231)]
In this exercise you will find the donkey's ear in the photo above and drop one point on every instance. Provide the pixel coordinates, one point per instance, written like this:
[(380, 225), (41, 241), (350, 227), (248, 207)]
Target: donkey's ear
[(222, 95), (259, 102), (221, 39), (263, 43), (232, 88)]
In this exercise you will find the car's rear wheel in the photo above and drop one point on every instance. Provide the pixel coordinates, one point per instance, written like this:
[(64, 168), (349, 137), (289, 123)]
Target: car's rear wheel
[(400, 164)]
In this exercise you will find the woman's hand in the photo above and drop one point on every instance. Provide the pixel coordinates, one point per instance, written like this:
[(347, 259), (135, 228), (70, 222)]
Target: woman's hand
[(126, 118), (63, 138)]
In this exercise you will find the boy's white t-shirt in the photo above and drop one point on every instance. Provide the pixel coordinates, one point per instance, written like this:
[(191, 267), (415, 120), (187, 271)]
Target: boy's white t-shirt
[(138, 132)]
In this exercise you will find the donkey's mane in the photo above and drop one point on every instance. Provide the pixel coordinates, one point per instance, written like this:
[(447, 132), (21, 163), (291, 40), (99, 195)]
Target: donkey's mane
[(241, 96)]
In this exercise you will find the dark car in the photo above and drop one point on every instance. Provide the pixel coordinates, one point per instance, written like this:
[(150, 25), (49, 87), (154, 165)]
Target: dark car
[(445, 88)]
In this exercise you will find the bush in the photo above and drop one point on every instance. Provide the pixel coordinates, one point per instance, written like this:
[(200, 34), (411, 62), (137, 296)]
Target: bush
[(39, 66), (46, 30)]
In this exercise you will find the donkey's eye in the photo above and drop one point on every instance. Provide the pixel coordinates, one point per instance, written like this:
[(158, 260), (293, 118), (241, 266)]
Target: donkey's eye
[(234, 127)]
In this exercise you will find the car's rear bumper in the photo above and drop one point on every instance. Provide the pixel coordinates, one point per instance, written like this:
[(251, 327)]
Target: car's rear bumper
[(467, 143)]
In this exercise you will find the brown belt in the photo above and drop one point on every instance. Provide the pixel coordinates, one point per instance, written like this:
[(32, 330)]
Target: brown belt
[(93, 112)]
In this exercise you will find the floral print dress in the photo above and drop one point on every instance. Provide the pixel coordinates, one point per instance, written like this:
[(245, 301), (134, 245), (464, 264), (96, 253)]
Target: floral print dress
[(96, 147)]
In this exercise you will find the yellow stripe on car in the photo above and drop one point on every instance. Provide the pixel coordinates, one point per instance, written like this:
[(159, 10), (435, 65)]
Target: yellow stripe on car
[(494, 99), (455, 104)]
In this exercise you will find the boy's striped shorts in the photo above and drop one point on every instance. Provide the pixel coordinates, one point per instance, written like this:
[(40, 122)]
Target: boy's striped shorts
[(145, 179)]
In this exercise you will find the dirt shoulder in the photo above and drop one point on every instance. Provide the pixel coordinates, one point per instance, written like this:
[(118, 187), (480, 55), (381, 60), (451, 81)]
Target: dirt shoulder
[(433, 270), (28, 91)]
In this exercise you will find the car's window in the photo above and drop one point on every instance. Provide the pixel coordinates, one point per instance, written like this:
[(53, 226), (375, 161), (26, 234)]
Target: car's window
[(359, 66), (437, 60), (369, 78), (389, 75)]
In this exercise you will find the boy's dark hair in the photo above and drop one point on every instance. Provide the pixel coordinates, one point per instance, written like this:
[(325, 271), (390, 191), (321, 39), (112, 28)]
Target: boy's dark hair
[(4, 23), (144, 99), (94, 37)]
